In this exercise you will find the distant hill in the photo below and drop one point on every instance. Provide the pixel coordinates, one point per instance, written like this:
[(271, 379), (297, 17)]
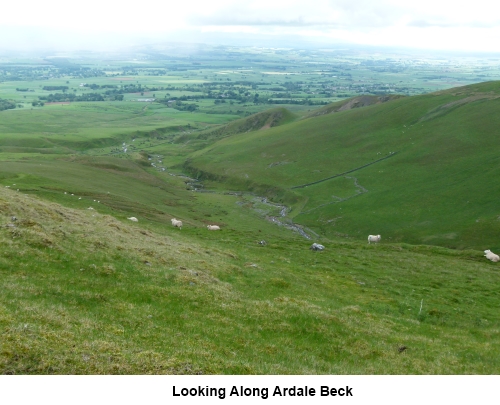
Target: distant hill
[(436, 184), (260, 121), (355, 102)]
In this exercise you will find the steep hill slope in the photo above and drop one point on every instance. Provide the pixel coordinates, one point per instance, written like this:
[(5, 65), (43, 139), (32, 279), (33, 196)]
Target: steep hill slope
[(434, 185), (85, 293)]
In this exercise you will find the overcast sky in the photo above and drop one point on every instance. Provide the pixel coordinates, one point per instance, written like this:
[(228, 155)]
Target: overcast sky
[(100, 24)]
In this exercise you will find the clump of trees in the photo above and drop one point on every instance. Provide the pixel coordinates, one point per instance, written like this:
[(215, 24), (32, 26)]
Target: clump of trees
[(54, 88), (94, 86), (6, 104), (179, 105)]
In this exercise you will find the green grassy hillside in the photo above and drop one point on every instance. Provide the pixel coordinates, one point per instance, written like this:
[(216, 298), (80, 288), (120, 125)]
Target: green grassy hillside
[(82, 126), (436, 186), (86, 293)]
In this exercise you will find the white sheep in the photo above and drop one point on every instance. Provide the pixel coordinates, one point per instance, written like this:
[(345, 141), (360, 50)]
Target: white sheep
[(317, 246), (374, 238), (213, 227), (133, 219), (491, 256), (176, 223)]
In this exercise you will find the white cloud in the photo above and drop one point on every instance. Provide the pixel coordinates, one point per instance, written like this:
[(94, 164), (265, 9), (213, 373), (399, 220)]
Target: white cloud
[(424, 23)]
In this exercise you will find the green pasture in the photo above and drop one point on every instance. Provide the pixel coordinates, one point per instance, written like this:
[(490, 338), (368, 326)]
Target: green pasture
[(81, 126)]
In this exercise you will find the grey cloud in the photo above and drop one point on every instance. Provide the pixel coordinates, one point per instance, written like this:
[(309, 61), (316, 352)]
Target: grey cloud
[(333, 14), (361, 15)]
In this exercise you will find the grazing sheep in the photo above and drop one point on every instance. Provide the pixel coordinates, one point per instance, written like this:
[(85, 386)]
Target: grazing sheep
[(374, 238), (176, 223), (213, 227), (134, 219), (316, 247), (491, 256)]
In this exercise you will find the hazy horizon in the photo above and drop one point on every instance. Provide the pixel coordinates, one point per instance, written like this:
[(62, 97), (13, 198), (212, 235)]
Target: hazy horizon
[(111, 26)]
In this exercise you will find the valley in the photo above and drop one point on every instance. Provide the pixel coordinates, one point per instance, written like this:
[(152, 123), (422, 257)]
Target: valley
[(285, 147)]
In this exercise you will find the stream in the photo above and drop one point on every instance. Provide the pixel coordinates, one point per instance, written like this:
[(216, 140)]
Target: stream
[(255, 200)]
